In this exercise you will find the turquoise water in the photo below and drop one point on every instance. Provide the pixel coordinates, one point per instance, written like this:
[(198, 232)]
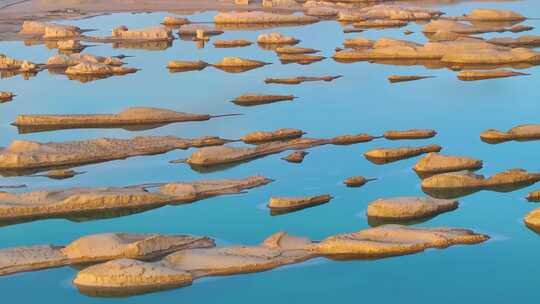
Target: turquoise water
[(498, 271)]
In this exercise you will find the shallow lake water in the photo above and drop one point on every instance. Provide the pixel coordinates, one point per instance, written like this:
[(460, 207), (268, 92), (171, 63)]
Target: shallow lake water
[(498, 271)]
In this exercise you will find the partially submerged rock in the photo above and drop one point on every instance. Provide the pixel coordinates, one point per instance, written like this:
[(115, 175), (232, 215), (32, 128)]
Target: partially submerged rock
[(388, 12), (70, 45), (6, 96), (295, 50), (281, 205), (532, 220), (259, 99), (483, 14), (64, 61), (463, 28), (300, 58), (232, 43), (521, 132), (98, 69), (407, 208), (182, 65), (482, 75), (49, 30), (380, 23), (301, 79), (175, 21), (15, 65), (357, 181), (403, 78), (266, 136), (451, 185), (323, 12), (61, 174), (191, 30), (128, 277), (410, 134), (261, 18), (22, 155), (343, 140), (387, 155), (438, 163), (237, 64), (276, 38), (97, 248), (136, 116), (150, 33), (68, 203), (296, 157), (358, 42), (534, 196)]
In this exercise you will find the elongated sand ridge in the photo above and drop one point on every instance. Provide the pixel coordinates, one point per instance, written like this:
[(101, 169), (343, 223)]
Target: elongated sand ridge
[(130, 116), (76, 201), (23, 154)]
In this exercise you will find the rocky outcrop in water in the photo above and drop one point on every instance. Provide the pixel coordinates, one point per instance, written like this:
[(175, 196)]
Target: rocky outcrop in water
[(387, 155), (408, 208), (519, 133)]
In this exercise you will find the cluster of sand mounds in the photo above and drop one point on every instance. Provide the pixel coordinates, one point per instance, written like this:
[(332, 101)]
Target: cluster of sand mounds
[(521, 132), (387, 155), (128, 276), (388, 12), (22, 154), (276, 38), (261, 18), (11, 64), (73, 202), (455, 184), (464, 51), (61, 61), (151, 33), (97, 248), (49, 30)]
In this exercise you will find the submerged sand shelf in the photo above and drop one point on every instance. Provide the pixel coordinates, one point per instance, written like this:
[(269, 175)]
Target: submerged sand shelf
[(78, 202), (96, 249), (136, 116), (129, 277), (23, 154), (462, 183)]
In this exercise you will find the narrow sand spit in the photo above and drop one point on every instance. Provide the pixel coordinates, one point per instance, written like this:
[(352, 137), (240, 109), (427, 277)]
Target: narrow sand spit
[(77, 202), (283, 205), (388, 155), (136, 116), (301, 79), (128, 277)]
